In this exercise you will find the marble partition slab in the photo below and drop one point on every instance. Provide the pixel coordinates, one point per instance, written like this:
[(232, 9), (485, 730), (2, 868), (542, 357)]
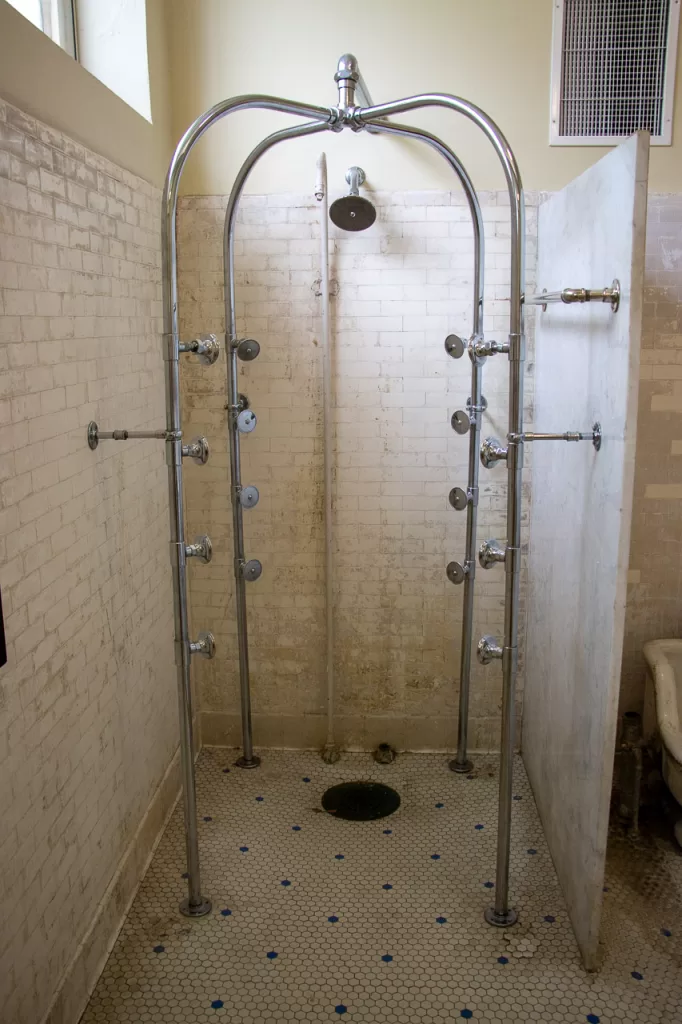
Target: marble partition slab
[(587, 366)]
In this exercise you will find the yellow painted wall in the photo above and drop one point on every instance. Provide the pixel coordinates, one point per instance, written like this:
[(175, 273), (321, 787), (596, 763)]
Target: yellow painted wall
[(495, 53), (41, 79)]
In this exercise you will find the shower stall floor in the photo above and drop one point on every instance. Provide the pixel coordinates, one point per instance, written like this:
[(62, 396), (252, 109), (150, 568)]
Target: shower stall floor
[(316, 919)]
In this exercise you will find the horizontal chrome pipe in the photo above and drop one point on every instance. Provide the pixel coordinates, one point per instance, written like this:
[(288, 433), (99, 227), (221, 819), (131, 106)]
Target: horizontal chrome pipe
[(95, 435), (571, 295)]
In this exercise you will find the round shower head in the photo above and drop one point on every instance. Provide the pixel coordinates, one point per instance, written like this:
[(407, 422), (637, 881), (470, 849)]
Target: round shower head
[(352, 213)]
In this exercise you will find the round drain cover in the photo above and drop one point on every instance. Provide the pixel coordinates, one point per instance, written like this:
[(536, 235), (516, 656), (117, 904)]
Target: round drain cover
[(360, 801)]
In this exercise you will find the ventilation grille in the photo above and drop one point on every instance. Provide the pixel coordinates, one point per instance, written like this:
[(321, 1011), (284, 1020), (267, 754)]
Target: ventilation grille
[(613, 67)]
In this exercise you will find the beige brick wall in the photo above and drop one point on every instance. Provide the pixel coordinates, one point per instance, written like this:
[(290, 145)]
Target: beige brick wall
[(654, 604), (402, 286), (88, 713)]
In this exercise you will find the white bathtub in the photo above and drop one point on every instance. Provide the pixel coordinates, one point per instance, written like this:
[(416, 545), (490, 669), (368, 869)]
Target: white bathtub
[(663, 707)]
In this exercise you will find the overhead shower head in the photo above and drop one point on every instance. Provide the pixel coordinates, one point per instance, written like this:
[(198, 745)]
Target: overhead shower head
[(352, 212)]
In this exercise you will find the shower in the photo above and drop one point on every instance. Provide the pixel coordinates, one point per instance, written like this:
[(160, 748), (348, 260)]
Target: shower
[(353, 212)]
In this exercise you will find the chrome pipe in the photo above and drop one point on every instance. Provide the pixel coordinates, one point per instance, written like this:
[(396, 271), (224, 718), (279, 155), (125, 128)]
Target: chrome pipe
[(461, 762), (500, 914), (247, 759), (572, 295), (195, 904)]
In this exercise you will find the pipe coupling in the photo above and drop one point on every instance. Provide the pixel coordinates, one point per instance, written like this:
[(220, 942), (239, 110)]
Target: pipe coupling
[(202, 548), (198, 450), (205, 346), (205, 645)]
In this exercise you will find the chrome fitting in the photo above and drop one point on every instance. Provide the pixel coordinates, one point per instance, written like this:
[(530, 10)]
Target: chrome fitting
[(481, 348), (198, 450), (488, 650), (460, 422), (247, 496), (247, 349), (205, 346), (454, 346), (201, 549), (492, 451), (246, 421), (205, 645), (459, 498), (490, 552), (457, 573), (251, 570)]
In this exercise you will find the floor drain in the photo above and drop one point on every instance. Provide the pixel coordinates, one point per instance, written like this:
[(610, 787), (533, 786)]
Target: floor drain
[(361, 801)]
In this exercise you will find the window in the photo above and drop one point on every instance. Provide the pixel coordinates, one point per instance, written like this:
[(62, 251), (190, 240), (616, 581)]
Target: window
[(53, 17), (613, 70)]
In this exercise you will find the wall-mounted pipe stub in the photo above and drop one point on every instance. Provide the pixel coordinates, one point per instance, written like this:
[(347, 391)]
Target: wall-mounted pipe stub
[(571, 295), (490, 552), (205, 346), (594, 435), (204, 646), (202, 549), (488, 650), (198, 450), (492, 451), (95, 435)]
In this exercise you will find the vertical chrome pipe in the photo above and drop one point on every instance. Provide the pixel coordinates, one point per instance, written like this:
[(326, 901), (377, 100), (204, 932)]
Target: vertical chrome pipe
[(247, 759), (500, 914), (461, 763), (195, 905)]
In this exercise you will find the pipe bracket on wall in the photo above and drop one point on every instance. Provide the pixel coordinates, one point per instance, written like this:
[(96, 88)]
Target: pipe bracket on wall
[(246, 421), (248, 496), (247, 349), (459, 498), (490, 552), (488, 650), (205, 645), (454, 346), (460, 422), (251, 570), (198, 450), (202, 548), (492, 451), (205, 347)]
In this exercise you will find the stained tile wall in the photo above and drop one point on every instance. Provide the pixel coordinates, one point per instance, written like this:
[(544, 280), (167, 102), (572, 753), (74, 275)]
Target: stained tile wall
[(654, 605), (402, 286), (88, 719)]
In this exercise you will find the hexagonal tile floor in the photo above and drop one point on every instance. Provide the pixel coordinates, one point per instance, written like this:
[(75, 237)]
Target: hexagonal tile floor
[(316, 919)]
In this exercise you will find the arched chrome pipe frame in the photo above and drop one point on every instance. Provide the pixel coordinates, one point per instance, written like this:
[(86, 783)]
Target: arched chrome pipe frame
[(335, 119)]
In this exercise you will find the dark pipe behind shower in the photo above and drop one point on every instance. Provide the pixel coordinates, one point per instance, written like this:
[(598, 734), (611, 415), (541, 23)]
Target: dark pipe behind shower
[(352, 212)]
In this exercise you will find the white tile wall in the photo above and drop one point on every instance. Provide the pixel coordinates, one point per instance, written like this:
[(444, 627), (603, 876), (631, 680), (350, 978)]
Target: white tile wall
[(88, 719), (655, 590), (402, 286)]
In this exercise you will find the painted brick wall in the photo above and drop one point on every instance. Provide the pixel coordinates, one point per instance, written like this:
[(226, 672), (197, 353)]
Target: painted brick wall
[(654, 604), (402, 286), (88, 712)]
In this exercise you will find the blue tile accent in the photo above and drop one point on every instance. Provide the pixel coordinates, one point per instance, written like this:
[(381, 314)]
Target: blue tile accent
[(467, 1014), (605, 889), (285, 882), (387, 886), (388, 831), (387, 958), (272, 955), (260, 799), (592, 1018), (439, 806), (435, 856), (244, 849), (226, 912), (208, 818), (532, 852), (340, 1009), (339, 856), (441, 920), (666, 932), (636, 975), (159, 949), (295, 828), (502, 960), (306, 779), (488, 885), (333, 919), (217, 1004), (471, 777), (184, 875), (517, 797), (479, 827), (226, 771), (549, 918)]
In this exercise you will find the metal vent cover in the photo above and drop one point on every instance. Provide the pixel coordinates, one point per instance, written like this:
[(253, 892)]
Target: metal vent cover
[(613, 70)]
